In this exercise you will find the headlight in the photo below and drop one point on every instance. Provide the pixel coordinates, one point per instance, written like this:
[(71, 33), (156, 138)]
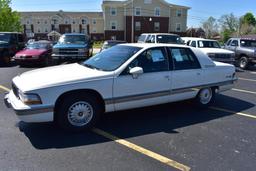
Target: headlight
[(211, 55), (29, 99)]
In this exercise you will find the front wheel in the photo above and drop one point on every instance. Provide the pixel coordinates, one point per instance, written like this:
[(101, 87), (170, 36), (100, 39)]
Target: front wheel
[(78, 112), (205, 97)]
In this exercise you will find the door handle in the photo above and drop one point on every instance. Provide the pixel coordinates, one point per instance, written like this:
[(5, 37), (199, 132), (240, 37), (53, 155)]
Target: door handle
[(198, 73)]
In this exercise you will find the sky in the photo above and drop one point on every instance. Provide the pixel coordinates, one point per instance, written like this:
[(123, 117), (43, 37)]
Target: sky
[(199, 12)]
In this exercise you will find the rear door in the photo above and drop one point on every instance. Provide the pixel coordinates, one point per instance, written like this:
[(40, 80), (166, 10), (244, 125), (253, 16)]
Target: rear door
[(187, 74)]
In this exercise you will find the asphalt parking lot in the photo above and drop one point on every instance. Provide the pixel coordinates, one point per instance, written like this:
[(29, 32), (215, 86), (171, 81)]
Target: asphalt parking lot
[(174, 136)]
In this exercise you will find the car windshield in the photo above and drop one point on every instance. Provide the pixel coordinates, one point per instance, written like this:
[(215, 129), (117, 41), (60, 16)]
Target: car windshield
[(112, 58), (4, 38), (248, 43), (73, 39), (37, 46), (208, 44), (169, 39)]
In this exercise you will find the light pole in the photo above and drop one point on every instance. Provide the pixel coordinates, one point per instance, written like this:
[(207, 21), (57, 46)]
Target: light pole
[(132, 33)]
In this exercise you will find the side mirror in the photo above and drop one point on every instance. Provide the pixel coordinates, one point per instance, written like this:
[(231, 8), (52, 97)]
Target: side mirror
[(135, 72)]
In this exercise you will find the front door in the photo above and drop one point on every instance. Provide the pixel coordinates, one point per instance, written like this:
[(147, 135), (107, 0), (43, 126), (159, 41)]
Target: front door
[(151, 87)]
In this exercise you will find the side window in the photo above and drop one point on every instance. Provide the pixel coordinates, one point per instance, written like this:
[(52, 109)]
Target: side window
[(151, 60), (148, 40), (13, 39), (228, 42), (234, 43), (153, 39), (188, 43), (184, 59), (193, 44)]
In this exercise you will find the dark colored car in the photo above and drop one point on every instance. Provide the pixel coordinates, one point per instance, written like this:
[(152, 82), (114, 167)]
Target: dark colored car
[(245, 51), (72, 47), (38, 52), (10, 43), (109, 43)]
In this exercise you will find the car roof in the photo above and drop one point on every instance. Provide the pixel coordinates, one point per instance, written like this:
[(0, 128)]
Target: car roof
[(171, 34), (152, 45), (196, 38)]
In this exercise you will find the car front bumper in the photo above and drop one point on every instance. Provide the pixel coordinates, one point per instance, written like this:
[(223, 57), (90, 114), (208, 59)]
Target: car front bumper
[(30, 114)]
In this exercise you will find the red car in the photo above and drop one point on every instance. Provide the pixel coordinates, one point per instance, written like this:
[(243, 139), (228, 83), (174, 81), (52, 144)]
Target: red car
[(38, 52)]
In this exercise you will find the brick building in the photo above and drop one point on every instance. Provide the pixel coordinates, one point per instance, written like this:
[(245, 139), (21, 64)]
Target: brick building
[(114, 22)]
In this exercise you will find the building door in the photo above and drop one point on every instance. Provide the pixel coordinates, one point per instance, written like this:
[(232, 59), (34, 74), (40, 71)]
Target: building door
[(65, 28)]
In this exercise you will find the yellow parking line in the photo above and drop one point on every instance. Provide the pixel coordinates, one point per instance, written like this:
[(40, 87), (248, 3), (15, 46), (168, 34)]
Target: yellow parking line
[(230, 111), (244, 91), (142, 150), (4, 88), (246, 79)]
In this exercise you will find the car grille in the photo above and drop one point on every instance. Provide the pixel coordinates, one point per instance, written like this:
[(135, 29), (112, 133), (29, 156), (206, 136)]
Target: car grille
[(15, 90), (68, 51), (223, 56)]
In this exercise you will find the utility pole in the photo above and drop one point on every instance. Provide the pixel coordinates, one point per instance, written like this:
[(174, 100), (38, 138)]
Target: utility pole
[(132, 32)]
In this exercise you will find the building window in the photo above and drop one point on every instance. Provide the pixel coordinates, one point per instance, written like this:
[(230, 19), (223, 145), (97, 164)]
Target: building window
[(27, 22), (45, 22), (38, 30), (94, 30), (137, 11), (157, 26), (178, 13), (66, 22), (157, 11), (137, 26), (113, 11), (46, 31), (74, 30), (178, 27), (147, 1), (83, 30), (74, 22), (83, 21), (94, 21), (113, 25), (55, 21), (38, 22)]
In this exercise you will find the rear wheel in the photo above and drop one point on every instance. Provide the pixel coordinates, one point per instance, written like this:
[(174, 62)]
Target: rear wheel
[(78, 112), (205, 97), (243, 62)]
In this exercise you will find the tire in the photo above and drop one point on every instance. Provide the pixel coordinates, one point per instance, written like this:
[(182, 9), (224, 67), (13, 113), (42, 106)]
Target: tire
[(205, 97), (78, 112), (243, 62)]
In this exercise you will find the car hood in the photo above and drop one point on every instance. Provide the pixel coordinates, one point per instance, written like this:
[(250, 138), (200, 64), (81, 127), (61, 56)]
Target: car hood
[(31, 52), (57, 76), (216, 50), (59, 46)]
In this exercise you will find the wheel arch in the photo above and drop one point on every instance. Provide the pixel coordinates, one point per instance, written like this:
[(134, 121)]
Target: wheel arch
[(79, 92)]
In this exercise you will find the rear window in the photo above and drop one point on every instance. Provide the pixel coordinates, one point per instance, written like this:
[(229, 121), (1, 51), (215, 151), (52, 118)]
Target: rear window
[(169, 39)]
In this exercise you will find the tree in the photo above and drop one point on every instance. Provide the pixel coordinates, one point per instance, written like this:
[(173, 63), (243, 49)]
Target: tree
[(9, 19), (229, 22), (249, 19), (210, 27)]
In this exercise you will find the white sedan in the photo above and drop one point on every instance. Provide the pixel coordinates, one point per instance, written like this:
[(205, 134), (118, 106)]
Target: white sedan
[(123, 77)]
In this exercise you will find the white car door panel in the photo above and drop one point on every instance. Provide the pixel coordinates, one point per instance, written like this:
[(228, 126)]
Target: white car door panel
[(151, 87)]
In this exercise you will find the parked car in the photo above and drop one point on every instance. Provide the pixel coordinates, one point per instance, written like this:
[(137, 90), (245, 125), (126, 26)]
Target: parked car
[(73, 47), (10, 43), (159, 38), (37, 52), (110, 43), (245, 51), (123, 77), (211, 48)]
